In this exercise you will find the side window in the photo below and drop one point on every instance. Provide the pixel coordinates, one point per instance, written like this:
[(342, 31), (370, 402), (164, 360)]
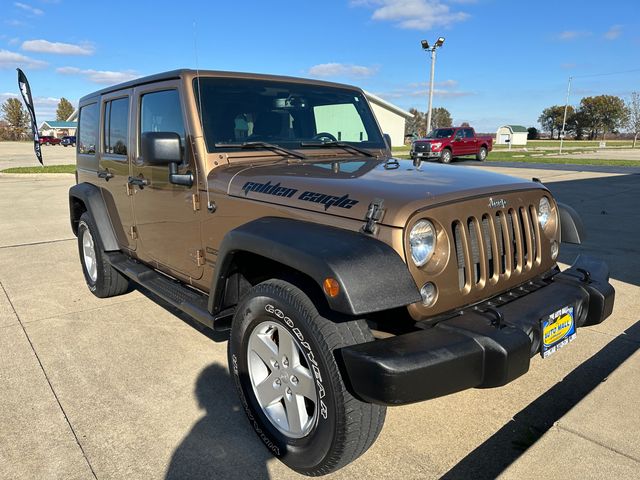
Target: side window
[(88, 129), (469, 133), (116, 126), (161, 112)]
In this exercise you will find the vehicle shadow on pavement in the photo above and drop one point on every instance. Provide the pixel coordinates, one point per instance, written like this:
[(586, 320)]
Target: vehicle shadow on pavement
[(221, 445), (492, 457), (608, 207)]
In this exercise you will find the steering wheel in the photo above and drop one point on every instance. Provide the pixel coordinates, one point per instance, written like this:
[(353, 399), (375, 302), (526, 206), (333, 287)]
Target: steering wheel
[(324, 137)]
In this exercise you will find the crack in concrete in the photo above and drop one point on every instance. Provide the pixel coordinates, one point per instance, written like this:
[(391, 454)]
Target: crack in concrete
[(578, 434), (37, 243), (55, 395)]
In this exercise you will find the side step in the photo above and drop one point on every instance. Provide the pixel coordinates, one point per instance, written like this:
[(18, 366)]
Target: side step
[(189, 301)]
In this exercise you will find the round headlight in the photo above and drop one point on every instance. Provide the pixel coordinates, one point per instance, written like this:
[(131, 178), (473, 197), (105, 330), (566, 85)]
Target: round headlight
[(422, 240), (544, 212)]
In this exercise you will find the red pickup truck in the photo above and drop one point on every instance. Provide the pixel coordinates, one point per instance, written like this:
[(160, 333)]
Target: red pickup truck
[(447, 143)]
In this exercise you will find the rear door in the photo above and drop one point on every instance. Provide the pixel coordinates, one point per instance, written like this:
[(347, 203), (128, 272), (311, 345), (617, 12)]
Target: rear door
[(114, 154), (166, 219), (471, 142), (457, 142)]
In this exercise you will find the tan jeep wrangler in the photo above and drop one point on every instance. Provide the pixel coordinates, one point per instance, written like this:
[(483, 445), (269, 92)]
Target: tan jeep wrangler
[(349, 280)]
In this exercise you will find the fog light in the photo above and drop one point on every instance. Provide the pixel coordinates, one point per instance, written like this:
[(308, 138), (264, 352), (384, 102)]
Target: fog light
[(554, 250), (429, 294)]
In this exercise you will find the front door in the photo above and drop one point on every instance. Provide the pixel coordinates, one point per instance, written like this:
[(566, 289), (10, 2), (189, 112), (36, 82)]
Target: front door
[(166, 220), (114, 154)]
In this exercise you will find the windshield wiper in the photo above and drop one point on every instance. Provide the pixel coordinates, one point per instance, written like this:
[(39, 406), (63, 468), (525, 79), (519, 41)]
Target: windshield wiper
[(265, 145), (345, 145)]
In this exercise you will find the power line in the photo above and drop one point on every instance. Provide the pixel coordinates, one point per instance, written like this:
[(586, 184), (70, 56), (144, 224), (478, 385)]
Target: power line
[(605, 74)]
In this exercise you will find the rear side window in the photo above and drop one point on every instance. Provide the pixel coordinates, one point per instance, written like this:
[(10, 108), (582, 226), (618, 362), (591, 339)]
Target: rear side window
[(468, 132), (88, 129), (161, 112), (116, 126)]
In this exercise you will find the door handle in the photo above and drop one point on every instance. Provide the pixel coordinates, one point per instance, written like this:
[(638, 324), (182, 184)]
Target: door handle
[(106, 174), (140, 182)]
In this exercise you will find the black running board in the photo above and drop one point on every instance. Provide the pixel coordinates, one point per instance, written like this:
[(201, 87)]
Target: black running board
[(185, 299)]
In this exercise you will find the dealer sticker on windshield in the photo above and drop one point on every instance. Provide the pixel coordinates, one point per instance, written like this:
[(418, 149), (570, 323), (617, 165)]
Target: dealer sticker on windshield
[(558, 329)]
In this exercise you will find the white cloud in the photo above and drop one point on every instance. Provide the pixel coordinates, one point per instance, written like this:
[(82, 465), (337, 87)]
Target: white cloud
[(100, 76), (13, 59), (572, 34), (45, 106), (28, 8), (614, 32), (409, 93), (413, 14), (59, 48), (341, 70)]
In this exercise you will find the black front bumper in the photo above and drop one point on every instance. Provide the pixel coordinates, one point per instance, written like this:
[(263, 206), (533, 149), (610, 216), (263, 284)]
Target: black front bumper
[(484, 346)]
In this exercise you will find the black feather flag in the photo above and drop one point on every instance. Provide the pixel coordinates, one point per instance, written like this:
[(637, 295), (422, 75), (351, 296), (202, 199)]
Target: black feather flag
[(25, 90)]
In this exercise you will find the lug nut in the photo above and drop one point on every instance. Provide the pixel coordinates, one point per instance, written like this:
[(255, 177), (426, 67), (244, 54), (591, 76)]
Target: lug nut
[(278, 382), (285, 362), (276, 364), (294, 379)]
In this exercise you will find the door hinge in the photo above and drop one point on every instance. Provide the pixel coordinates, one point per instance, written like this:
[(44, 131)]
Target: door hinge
[(375, 212), (133, 232), (200, 258), (130, 189), (195, 201)]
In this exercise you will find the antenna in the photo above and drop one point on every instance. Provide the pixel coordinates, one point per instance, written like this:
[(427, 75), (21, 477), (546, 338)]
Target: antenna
[(211, 207)]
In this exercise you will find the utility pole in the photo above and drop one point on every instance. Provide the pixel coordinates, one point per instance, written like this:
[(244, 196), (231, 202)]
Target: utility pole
[(426, 47), (564, 120)]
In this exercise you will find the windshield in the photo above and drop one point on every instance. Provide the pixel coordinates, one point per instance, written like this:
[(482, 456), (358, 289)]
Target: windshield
[(440, 133), (282, 113)]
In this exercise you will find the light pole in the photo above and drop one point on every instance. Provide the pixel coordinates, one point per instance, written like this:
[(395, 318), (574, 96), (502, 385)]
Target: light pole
[(564, 119), (427, 48)]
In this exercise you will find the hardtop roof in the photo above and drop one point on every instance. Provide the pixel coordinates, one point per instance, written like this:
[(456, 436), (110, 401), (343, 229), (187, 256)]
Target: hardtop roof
[(175, 74)]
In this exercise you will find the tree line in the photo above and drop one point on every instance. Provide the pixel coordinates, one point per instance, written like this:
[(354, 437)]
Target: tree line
[(15, 120), (594, 118)]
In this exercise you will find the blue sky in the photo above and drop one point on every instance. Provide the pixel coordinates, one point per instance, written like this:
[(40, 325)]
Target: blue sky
[(502, 61)]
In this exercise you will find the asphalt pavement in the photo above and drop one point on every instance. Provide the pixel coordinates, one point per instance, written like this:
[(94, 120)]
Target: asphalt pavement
[(125, 388)]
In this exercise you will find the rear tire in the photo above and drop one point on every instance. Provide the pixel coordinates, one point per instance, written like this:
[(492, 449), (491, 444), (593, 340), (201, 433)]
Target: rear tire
[(481, 156), (102, 279), (298, 403), (445, 156)]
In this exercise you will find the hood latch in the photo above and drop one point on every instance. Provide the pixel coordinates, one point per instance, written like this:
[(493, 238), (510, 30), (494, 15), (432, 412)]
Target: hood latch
[(375, 212)]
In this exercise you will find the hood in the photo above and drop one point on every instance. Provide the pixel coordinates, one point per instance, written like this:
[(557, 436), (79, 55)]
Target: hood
[(347, 187)]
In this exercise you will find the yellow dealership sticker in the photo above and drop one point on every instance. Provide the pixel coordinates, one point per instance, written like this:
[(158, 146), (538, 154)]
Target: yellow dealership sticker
[(558, 329)]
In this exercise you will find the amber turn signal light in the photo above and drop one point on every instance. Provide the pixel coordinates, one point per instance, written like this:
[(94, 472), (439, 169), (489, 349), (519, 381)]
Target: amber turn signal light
[(331, 287)]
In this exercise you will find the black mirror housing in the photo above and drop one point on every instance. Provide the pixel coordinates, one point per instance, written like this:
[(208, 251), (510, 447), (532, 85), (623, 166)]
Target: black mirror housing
[(161, 148), (387, 139)]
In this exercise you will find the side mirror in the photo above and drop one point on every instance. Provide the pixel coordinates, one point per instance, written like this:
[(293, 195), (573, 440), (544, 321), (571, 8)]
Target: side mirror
[(161, 149), (387, 139)]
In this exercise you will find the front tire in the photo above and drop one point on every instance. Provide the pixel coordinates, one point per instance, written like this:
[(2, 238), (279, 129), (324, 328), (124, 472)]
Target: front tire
[(102, 279), (445, 156), (281, 356), (481, 156)]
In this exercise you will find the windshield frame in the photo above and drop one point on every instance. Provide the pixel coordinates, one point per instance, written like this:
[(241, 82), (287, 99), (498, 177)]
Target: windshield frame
[(363, 108)]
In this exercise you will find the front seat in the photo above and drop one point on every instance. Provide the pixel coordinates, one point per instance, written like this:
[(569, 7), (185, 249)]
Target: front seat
[(268, 125)]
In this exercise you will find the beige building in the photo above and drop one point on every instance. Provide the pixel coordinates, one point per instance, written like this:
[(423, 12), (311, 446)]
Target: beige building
[(391, 118)]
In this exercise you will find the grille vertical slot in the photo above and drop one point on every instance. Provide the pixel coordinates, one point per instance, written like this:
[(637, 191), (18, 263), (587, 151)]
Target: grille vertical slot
[(492, 247)]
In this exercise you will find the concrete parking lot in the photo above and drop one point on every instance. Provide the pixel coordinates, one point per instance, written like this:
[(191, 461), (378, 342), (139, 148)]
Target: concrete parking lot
[(20, 154), (125, 388)]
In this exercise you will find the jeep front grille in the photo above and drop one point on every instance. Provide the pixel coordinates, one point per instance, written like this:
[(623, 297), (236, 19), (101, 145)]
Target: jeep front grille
[(496, 246)]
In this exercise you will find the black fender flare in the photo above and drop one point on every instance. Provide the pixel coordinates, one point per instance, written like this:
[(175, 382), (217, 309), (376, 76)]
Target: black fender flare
[(571, 227), (372, 276), (91, 197)]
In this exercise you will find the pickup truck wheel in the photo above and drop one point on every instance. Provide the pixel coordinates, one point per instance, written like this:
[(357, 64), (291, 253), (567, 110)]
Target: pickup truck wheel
[(281, 356), (102, 279), (482, 154), (445, 156)]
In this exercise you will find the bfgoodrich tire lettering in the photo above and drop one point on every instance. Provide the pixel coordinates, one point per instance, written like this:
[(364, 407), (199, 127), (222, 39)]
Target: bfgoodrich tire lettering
[(344, 427), (102, 279)]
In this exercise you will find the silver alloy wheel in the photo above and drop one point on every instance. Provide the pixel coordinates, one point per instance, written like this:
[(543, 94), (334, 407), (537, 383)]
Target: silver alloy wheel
[(483, 154), (89, 254), (281, 379)]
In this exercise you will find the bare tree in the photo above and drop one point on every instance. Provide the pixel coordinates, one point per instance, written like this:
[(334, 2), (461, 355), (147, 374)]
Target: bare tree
[(633, 116)]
